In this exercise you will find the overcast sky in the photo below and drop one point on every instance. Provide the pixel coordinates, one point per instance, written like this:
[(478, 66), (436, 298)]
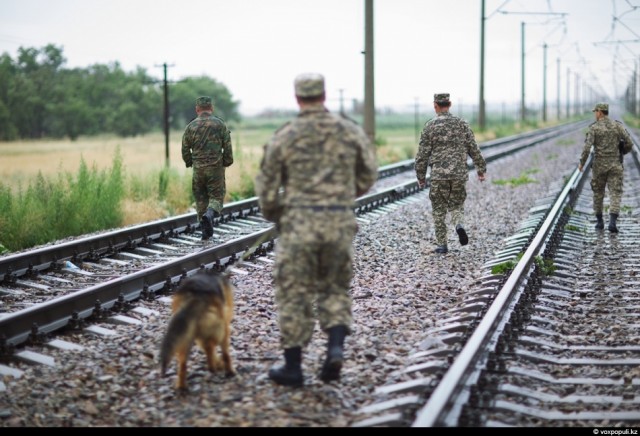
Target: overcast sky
[(257, 47)]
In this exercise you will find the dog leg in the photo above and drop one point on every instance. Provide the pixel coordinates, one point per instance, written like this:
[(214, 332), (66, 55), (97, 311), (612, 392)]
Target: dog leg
[(182, 370), (226, 357)]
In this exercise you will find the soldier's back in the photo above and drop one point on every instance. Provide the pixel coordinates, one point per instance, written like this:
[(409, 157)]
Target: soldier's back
[(320, 150)]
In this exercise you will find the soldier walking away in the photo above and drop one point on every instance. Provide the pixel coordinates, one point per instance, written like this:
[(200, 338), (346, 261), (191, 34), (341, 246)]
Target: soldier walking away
[(206, 145), (313, 169), (610, 141), (445, 143)]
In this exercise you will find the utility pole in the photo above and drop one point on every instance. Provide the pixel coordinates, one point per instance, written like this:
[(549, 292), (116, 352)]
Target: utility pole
[(416, 121), (369, 99), (544, 84), (481, 112), (166, 114), (341, 101), (558, 90), (522, 107), (568, 92), (576, 94)]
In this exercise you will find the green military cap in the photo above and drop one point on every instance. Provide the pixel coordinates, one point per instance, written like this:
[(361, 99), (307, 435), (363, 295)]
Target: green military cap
[(203, 101), (309, 85), (441, 98), (601, 107)]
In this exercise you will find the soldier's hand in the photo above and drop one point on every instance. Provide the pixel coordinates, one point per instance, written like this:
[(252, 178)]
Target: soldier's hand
[(580, 168), (481, 177), (422, 183), (189, 164)]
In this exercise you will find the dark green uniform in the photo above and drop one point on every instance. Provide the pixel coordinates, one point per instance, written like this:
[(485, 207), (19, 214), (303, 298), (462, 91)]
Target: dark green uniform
[(206, 144)]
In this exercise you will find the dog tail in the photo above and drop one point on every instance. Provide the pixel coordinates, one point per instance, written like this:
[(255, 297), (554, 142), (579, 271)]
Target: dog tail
[(181, 330)]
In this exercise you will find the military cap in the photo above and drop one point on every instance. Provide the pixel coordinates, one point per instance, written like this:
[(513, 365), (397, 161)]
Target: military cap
[(601, 107), (203, 101), (441, 98), (309, 85)]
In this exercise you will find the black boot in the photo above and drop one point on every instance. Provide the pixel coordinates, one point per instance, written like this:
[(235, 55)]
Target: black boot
[(335, 354), (600, 223), (290, 374), (207, 224), (462, 235), (613, 217)]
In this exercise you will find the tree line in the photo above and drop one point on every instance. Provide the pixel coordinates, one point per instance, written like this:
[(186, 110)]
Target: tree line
[(40, 98)]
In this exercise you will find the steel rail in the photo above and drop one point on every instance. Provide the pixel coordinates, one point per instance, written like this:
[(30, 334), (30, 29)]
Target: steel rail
[(29, 323)]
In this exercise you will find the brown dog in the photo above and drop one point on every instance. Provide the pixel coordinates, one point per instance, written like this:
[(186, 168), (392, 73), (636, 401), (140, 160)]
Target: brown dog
[(202, 311)]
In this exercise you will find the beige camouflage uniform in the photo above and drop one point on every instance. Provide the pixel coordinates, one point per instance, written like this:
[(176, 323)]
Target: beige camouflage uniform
[(445, 143), (322, 162), (604, 136)]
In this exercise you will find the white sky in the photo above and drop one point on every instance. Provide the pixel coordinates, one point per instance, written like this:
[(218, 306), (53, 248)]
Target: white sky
[(257, 47)]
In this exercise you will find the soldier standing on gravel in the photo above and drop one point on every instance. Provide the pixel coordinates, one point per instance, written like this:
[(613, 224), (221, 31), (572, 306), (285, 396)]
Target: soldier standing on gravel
[(206, 145), (322, 162), (445, 143), (606, 136)]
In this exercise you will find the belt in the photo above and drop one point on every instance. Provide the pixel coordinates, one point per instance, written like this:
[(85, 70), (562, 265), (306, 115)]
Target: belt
[(323, 208)]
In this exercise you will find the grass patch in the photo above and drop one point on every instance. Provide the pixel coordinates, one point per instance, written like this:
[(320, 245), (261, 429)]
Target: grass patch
[(573, 228), (68, 205), (545, 266), (523, 179), (565, 142)]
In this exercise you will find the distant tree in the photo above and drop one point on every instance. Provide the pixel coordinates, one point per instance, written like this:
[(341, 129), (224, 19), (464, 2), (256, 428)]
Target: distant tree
[(41, 98), (182, 100)]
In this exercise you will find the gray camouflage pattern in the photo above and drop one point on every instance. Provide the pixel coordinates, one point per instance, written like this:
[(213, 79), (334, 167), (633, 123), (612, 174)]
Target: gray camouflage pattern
[(447, 196), (607, 171), (445, 143), (206, 145), (319, 160)]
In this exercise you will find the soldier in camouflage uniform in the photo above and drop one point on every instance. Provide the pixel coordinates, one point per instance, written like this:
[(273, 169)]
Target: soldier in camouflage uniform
[(206, 145), (312, 170), (445, 143), (605, 137)]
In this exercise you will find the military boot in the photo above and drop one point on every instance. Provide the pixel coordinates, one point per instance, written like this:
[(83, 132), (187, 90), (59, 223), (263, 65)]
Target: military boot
[(290, 374), (600, 223), (462, 235), (335, 354), (207, 224), (613, 217), (441, 249)]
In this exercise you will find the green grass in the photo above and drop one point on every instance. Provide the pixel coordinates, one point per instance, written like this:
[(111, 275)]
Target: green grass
[(573, 228), (522, 179), (50, 209), (545, 266)]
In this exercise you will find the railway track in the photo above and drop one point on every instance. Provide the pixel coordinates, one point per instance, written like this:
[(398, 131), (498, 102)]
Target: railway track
[(551, 338), (34, 346), (63, 285)]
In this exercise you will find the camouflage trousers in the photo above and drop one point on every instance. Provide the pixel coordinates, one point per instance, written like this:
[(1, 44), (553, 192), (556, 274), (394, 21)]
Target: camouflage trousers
[(447, 196), (208, 187), (602, 178), (313, 271)]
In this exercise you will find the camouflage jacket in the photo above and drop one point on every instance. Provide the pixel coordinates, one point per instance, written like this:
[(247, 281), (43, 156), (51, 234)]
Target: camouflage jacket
[(318, 159), (206, 142), (445, 143), (604, 136)]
